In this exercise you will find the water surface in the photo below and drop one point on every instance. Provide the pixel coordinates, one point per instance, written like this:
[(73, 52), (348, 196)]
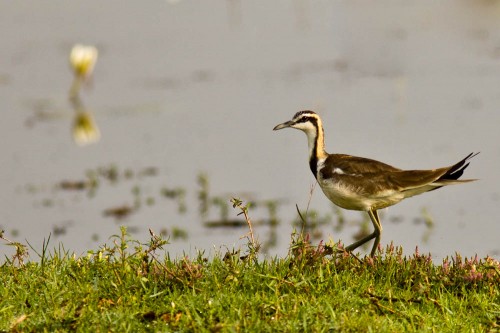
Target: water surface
[(197, 87)]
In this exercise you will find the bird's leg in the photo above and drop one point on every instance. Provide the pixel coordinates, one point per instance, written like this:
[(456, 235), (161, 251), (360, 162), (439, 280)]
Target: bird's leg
[(375, 234), (378, 230)]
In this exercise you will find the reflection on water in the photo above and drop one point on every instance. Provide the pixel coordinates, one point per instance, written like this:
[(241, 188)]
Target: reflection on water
[(82, 59)]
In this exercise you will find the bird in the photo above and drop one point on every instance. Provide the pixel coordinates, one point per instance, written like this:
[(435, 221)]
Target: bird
[(364, 184)]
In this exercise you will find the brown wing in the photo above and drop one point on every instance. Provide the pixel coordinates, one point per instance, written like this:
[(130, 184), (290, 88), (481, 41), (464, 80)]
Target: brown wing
[(374, 184), (360, 175), (352, 165), (409, 179), (365, 175)]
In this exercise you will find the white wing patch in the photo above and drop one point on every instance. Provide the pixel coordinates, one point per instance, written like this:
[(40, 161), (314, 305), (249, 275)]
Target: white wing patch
[(338, 171)]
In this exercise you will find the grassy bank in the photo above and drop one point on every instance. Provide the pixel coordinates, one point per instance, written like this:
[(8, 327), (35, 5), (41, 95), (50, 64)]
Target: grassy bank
[(128, 286), (136, 287)]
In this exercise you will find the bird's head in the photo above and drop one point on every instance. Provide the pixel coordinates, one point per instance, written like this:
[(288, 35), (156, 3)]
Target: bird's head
[(307, 121)]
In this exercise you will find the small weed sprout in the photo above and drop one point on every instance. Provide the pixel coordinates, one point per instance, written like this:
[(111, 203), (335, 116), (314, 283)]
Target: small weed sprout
[(21, 250), (253, 245)]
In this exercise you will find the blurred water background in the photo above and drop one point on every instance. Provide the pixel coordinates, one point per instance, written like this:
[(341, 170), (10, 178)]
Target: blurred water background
[(186, 93)]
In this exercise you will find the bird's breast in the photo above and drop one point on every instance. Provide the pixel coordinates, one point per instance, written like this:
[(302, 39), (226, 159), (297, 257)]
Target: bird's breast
[(343, 195)]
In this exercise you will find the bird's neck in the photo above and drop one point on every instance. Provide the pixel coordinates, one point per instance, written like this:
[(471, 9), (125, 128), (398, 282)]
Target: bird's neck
[(316, 142)]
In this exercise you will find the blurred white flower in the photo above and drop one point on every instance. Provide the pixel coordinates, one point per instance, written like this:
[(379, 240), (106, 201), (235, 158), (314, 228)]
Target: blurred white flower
[(85, 130), (82, 59)]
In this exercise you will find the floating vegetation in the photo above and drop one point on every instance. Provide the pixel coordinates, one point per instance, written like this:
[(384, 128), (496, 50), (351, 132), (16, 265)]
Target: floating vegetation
[(396, 219), (146, 172), (213, 210), (95, 177), (61, 229), (109, 173), (178, 194), (227, 223), (341, 222), (119, 212), (429, 224), (223, 206), (175, 233), (150, 201), (178, 233), (203, 195), (314, 222), (77, 185), (274, 221)]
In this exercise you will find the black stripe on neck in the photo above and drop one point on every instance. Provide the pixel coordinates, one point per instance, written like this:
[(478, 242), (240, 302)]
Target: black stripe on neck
[(313, 159), (313, 164)]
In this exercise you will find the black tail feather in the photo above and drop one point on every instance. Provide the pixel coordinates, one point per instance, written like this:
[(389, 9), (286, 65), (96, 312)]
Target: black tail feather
[(457, 170)]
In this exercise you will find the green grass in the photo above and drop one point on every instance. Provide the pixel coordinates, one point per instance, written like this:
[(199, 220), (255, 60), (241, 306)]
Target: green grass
[(132, 287)]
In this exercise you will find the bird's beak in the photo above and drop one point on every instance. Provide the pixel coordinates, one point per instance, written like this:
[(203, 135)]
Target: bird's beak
[(284, 125)]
